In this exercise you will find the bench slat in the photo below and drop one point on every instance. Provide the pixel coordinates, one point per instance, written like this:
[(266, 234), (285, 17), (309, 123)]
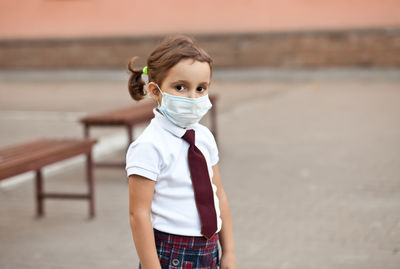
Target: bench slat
[(12, 151), (128, 116), (29, 151), (47, 147), (17, 160)]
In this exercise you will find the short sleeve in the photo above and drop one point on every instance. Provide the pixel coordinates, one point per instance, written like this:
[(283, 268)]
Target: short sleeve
[(143, 159)]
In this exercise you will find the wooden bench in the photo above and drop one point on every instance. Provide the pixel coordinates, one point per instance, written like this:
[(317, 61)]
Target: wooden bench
[(129, 117), (33, 156)]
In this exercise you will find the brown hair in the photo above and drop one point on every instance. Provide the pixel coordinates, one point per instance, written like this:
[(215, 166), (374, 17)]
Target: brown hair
[(167, 54)]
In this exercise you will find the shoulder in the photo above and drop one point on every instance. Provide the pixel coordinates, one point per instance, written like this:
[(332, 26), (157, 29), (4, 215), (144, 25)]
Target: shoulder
[(158, 139), (144, 155), (150, 138), (205, 134), (205, 139)]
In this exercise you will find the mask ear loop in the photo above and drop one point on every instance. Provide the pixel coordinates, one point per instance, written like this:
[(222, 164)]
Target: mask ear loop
[(160, 92), (145, 78), (159, 105)]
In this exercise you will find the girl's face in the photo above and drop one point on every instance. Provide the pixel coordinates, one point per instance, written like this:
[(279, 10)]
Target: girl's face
[(188, 78)]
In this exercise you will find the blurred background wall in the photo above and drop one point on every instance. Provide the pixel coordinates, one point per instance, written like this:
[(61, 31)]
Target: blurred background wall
[(237, 33)]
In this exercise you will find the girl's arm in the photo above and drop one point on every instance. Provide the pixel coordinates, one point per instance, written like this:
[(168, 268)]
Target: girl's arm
[(228, 259), (140, 197)]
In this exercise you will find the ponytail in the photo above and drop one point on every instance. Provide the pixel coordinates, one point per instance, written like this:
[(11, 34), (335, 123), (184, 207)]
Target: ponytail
[(136, 84)]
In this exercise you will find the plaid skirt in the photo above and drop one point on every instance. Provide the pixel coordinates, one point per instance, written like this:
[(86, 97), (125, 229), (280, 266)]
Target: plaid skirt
[(186, 252)]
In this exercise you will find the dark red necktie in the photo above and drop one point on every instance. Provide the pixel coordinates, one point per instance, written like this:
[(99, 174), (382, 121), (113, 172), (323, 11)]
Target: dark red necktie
[(203, 192)]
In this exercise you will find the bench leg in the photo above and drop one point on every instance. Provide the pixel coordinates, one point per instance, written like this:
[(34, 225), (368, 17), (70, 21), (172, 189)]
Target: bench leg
[(39, 192), (90, 182), (86, 131), (214, 121), (130, 134)]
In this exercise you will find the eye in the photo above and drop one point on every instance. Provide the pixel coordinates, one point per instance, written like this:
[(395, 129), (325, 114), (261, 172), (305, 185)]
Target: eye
[(180, 87), (201, 89)]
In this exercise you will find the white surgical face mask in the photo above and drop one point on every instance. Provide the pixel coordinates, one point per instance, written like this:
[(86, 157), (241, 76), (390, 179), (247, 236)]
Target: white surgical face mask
[(183, 111)]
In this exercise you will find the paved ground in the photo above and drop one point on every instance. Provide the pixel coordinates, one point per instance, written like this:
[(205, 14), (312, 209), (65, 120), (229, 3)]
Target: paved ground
[(310, 161)]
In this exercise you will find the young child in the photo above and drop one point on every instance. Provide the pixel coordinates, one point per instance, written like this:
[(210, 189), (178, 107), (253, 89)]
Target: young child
[(177, 205)]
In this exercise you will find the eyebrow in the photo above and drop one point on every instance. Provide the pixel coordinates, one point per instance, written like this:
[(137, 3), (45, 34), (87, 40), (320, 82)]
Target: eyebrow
[(186, 82)]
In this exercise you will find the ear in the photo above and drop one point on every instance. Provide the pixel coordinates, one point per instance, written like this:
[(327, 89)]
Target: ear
[(154, 92)]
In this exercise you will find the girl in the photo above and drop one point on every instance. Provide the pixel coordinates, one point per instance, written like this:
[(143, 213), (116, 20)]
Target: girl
[(177, 205)]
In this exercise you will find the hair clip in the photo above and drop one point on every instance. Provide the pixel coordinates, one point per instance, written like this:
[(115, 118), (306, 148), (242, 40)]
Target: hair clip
[(144, 70)]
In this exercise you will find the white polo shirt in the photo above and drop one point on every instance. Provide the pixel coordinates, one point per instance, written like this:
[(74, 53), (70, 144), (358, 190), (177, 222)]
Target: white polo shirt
[(160, 154)]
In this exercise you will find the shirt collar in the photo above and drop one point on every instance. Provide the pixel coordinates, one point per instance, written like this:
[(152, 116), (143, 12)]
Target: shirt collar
[(168, 125)]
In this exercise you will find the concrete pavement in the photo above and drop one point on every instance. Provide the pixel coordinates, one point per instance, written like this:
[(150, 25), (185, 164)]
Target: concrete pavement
[(310, 161)]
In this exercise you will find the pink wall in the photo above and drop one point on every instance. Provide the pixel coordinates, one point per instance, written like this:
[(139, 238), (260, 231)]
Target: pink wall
[(98, 18)]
